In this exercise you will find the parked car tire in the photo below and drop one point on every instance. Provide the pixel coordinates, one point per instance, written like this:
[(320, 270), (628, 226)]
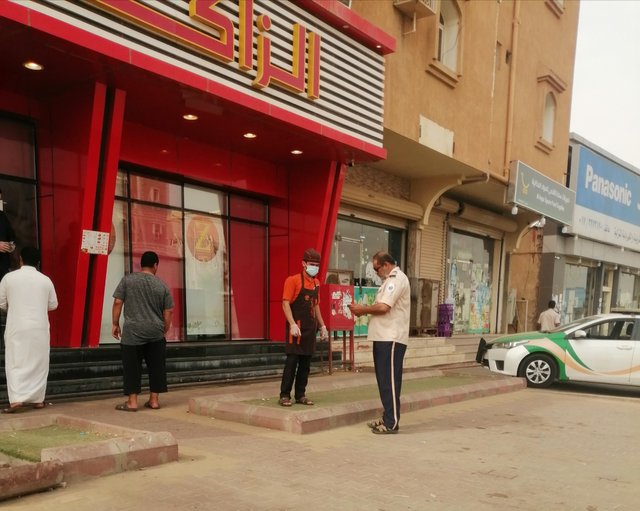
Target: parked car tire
[(539, 370)]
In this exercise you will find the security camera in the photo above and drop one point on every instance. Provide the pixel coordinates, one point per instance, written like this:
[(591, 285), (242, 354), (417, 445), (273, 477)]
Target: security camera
[(538, 224)]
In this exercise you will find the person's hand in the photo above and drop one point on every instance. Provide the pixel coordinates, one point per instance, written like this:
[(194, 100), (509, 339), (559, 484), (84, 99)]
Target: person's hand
[(115, 331), (356, 309), (294, 330), (324, 334), (6, 247)]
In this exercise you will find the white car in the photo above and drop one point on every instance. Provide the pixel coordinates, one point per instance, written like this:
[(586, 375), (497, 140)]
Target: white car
[(603, 349)]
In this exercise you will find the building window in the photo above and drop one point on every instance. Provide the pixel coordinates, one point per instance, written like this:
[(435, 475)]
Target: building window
[(549, 118), (440, 36), (557, 7), (550, 89), (448, 34), (446, 44), (212, 247)]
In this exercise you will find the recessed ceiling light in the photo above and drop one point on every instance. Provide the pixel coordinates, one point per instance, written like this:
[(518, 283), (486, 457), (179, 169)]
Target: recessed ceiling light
[(249, 135), (190, 117), (164, 151), (296, 151), (378, 46), (345, 26), (33, 66)]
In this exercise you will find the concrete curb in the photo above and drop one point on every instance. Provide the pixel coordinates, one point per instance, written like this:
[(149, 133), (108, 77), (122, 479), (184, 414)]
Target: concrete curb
[(31, 478), (129, 449), (230, 407)]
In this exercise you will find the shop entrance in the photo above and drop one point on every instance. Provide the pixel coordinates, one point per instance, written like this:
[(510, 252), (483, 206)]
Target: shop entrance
[(470, 282)]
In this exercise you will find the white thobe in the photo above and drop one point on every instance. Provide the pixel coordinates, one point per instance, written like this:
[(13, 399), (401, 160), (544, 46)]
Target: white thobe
[(27, 295)]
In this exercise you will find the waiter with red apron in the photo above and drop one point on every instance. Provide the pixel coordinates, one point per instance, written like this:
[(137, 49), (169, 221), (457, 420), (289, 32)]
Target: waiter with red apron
[(302, 311)]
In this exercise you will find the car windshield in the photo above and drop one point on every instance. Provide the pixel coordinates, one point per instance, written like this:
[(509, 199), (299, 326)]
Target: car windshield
[(568, 326)]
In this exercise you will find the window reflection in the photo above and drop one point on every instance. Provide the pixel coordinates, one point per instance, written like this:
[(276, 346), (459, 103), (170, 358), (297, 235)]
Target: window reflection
[(469, 285), (195, 265), (354, 245)]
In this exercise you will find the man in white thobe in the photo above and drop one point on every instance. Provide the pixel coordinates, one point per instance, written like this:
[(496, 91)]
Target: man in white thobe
[(27, 295)]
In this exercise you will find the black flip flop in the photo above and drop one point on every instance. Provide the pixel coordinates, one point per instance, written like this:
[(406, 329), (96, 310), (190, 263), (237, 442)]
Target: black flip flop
[(124, 407), (16, 409), (148, 405)]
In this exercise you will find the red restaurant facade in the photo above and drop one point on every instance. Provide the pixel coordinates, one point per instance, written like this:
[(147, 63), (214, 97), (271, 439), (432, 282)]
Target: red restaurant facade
[(215, 133)]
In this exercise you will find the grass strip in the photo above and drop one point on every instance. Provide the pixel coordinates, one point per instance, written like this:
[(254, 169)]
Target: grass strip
[(28, 443), (366, 392)]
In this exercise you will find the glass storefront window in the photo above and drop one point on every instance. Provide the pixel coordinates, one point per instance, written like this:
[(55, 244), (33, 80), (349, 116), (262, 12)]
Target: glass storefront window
[(155, 191), (353, 246), (192, 244), (469, 284), (18, 191), (160, 230), (248, 258), (17, 149), (577, 294), (205, 268), (628, 291), (249, 209), (202, 199), (117, 264), (355, 243)]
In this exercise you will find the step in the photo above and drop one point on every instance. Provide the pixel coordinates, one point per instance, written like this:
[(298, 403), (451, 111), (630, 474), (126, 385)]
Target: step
[(109, 385)]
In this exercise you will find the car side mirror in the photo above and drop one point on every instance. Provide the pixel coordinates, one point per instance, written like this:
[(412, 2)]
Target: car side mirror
[(579, 334)]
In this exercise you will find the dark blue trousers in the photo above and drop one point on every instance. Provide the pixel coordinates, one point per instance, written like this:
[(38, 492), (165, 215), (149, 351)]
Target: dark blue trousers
[(388, 358)]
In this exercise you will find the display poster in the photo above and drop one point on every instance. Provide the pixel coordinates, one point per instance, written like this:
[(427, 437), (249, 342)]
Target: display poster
[(116, 267), (205, 271), (95, 242), (364, 296)]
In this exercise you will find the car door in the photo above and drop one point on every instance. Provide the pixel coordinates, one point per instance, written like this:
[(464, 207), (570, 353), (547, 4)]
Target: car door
[(605, 355), (634, 376)]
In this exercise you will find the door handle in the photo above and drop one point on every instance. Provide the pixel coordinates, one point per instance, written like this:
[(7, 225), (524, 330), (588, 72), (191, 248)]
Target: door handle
[(625, 347)]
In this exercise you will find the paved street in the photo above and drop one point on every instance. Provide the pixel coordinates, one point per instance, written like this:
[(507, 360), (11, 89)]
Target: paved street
[(527, 450)]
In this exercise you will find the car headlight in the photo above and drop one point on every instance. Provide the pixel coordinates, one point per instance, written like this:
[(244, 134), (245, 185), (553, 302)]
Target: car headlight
[(509, 345)]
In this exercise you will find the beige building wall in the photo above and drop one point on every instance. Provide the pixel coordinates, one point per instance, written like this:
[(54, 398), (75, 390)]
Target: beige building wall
[(474, 102), (447, 128)]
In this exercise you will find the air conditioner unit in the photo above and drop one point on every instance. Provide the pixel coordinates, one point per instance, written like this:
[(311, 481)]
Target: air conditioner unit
[(417, 8)]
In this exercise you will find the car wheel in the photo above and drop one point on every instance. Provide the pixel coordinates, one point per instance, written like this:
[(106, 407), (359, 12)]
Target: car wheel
[(539, 370)]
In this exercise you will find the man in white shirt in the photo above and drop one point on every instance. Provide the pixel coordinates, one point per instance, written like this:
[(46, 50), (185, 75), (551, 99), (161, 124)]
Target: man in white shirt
[(27, 295), (389, 331), (549, 319)]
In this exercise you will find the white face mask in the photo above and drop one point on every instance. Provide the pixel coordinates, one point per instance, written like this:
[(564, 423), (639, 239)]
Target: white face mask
[(312, 270)]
